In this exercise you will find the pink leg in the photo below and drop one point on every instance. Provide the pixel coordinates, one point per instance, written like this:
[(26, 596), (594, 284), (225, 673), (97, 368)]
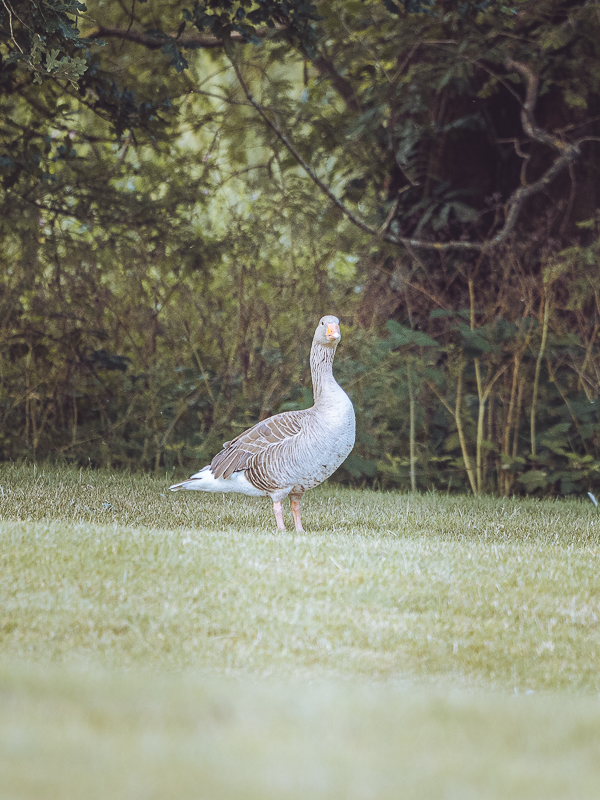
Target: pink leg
[(295, 504), (278, 509)]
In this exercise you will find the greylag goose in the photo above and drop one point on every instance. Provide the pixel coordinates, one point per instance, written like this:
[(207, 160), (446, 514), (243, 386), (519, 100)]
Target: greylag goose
[(291, 452)]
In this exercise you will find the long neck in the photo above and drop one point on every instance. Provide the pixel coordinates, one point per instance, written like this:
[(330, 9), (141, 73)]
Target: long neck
[(321, 369)]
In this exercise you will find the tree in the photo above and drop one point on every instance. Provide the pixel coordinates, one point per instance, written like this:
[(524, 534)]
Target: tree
[(471, 111)]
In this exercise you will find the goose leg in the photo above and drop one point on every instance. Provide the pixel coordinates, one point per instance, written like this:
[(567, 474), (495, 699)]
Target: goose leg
[(295, 504), (278, 509)]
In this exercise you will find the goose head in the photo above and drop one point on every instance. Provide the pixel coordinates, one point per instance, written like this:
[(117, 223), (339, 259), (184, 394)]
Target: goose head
[(328, 331)]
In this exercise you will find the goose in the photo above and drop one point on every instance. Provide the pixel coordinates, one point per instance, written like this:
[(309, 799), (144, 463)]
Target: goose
[(291, 452)]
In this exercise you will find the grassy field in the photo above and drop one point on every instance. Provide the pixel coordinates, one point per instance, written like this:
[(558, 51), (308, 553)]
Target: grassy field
[(160, 645)]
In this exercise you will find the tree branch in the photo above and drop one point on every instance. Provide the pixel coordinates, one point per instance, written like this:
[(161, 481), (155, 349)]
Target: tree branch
[(519, 196), (354, 218), (204, 40), (531, 94), (568, 152)]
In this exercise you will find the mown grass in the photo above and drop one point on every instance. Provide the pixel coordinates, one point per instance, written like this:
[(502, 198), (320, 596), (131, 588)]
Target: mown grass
[(119, 736), (101, 569), (388, 642)]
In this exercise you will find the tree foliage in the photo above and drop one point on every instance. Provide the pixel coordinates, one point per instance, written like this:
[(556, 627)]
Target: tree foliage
[(43, 39), (177, 214)]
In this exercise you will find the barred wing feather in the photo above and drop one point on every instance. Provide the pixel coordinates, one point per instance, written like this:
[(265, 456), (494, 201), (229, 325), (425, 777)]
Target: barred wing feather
[(240, 453)]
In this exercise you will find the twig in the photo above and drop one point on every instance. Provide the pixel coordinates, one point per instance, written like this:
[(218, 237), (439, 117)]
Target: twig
[(336, 564), (538, 368)]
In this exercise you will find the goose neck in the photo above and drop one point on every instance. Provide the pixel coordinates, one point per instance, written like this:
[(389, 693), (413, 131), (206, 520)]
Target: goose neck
[(321, 368)]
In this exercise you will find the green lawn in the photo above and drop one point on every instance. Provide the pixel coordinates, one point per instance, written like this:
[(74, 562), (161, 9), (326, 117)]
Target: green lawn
[(444, 646)]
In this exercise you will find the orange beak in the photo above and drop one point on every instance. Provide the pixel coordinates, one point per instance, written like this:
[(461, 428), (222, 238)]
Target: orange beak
[(333, 331)]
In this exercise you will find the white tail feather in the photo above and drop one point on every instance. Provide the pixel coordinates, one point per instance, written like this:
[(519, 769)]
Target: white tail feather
[(205, 481)]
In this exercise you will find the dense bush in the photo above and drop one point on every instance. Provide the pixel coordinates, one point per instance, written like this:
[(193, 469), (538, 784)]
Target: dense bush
[(500, 396)]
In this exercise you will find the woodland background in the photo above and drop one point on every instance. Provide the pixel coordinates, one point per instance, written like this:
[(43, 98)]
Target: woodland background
[(185, 189)]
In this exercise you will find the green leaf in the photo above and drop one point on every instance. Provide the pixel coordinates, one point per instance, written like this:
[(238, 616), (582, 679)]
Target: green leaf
[(360, 467), (512, 464), (476, 339), (400, 336), (532, 480), (177, 58)]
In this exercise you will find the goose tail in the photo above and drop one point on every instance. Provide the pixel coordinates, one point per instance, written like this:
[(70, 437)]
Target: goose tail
[(205, 481)]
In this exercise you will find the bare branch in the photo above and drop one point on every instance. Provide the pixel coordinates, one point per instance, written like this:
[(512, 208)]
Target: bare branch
[(569, 152), (299, 158), (531, 94), (519, 196)]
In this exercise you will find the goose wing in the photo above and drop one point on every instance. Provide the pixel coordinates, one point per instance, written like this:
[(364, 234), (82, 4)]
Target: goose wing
[(255, 443)]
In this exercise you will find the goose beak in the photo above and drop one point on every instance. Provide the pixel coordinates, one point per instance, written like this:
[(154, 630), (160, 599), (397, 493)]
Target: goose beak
[(333, 332)]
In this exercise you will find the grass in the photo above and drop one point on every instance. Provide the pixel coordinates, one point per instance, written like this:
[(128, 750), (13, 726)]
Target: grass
[(446, 646), (120, 736)]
